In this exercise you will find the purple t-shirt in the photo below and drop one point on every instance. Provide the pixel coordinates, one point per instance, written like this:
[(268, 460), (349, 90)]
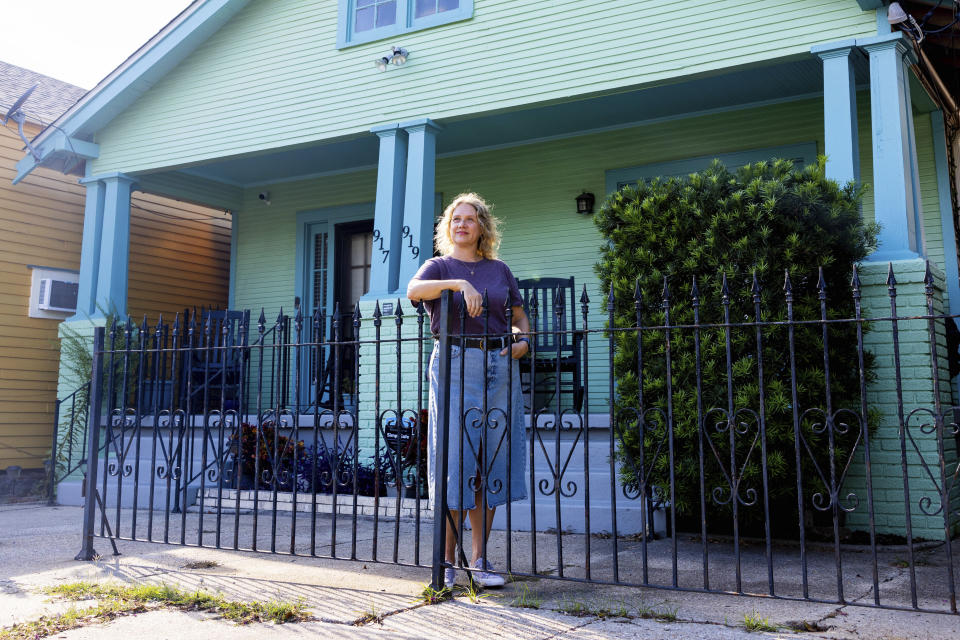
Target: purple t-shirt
[(492, 275)]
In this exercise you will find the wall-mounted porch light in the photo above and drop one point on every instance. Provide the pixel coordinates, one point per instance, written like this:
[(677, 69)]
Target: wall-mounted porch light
[(585, 203), (397, 56)]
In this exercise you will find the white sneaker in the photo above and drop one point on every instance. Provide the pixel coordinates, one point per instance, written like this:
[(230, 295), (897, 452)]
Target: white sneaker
[(449, 578), (486, 576)]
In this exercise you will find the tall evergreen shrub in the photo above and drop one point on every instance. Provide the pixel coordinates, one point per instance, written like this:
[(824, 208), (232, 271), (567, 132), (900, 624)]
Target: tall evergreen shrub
[(768, 219)]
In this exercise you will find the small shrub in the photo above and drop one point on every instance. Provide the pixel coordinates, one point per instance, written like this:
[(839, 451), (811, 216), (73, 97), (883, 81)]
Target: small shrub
[(263, 451), (318, 470)]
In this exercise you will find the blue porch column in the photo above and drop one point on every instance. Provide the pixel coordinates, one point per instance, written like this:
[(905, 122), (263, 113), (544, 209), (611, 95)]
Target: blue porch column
[(90, 248), (950, 266), (416, 236), (388, 211), (895, 174), (106, 245), (841, 139)]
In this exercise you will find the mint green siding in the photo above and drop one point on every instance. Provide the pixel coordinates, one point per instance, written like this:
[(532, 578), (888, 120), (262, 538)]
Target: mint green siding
[(267, 235), (533, 188), (272, 77)]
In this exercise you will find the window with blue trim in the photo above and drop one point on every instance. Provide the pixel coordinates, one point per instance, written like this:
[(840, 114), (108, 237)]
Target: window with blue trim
[(368, 20)]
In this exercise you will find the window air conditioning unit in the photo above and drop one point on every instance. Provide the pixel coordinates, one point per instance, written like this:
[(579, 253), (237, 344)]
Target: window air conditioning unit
[(57, 295)]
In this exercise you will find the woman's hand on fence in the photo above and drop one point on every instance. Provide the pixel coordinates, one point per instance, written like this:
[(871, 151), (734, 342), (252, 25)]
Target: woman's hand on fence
[(472, 298)]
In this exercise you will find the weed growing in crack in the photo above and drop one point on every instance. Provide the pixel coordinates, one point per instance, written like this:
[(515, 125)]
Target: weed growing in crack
[(526, 598), (429, 595), (574, 608), (116, 600), (369, 616), (649, 613), (753, 622), (473, 591)]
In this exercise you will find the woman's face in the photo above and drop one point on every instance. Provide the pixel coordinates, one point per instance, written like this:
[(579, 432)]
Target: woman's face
[(464, 226)]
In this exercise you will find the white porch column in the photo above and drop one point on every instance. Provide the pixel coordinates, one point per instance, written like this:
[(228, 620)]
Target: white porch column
[(895, 174), (416, 236), (388, 211), (841, 139)]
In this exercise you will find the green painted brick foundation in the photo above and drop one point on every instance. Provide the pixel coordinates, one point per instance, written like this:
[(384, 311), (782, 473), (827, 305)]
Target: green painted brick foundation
[(890, 507)]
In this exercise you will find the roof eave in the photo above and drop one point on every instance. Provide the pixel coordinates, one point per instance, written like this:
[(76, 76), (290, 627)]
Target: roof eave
[(128, 82)]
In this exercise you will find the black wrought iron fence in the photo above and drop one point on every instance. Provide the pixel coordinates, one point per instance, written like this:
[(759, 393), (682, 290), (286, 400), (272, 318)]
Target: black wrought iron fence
[(794, 443)]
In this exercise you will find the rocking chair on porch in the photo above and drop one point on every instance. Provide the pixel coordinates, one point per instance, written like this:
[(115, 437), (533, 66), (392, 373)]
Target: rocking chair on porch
[(557, 364), (215, 369)]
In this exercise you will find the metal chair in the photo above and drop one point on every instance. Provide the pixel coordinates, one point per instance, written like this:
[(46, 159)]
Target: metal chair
[(557, 364)]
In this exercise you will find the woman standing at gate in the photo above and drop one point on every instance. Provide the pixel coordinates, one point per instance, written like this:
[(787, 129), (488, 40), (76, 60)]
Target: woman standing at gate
[(468, 239)]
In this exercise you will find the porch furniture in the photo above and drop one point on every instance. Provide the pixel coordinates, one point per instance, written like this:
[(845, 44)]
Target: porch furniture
[(215, 368), (558, 353)]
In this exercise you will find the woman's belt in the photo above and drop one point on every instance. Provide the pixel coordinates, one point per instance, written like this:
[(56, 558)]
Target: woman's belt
[(500, 342)]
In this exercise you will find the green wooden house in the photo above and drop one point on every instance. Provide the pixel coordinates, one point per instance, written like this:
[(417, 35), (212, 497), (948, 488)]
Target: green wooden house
[(334, 132)]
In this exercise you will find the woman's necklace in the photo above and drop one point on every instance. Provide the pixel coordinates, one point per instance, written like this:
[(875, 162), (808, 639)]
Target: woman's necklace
[(467, 265)]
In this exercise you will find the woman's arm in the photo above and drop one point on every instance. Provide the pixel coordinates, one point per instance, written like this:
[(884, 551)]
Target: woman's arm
[(419, 290), (521, 327)]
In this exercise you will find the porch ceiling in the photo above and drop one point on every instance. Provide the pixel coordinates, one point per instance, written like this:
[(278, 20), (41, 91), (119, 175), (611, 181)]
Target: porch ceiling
[(788, 80)]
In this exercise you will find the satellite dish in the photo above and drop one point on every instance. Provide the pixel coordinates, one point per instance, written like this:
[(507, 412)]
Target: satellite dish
[(12, 111), (16, 114)]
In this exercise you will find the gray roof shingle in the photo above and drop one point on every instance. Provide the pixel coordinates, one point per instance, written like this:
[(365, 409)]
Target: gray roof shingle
[(47, 103)]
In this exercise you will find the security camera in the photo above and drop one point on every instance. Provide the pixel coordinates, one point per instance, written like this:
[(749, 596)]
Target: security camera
[(265, 196)]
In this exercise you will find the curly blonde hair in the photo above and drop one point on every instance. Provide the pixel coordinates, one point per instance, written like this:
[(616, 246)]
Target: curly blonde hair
[(489, 243)]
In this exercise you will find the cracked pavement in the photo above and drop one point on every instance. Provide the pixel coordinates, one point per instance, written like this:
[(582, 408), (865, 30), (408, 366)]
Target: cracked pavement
[(38, 543)]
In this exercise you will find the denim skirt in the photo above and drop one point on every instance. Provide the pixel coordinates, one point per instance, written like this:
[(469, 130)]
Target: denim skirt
[(496, 434)]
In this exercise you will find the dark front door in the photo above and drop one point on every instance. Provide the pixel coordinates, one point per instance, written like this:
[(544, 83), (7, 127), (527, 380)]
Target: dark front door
[(354, 246)]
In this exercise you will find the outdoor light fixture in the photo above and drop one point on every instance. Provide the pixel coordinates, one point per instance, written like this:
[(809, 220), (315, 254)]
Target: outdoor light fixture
[(896, 14), (585, 203), (397, 56)]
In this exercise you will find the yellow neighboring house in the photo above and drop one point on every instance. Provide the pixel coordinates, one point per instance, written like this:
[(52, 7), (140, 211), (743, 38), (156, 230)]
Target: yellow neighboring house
[(179, 257)]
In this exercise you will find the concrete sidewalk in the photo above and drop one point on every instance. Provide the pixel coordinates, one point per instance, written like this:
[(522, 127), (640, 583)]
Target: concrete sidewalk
[(37, 545)]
